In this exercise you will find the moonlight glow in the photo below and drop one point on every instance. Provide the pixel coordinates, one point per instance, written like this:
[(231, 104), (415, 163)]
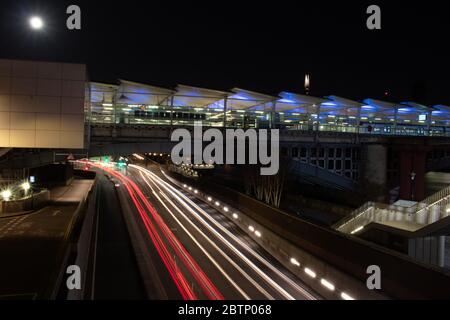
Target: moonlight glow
[(36, 23)]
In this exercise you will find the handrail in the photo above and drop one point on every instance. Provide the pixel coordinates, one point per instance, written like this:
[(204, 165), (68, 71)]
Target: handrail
[(434, 208)]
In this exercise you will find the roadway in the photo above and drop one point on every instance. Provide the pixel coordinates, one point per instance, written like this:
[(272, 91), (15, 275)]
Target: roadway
[(116, 274), (203, 253)]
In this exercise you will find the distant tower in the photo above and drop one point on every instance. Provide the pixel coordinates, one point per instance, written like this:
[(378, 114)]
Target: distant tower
[(307, 83)]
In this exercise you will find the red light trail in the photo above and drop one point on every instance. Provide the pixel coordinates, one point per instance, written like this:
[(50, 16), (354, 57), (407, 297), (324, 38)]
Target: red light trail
[(141, 203)]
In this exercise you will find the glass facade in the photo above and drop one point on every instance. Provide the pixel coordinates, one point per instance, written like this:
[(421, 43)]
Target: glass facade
[(129, 104)]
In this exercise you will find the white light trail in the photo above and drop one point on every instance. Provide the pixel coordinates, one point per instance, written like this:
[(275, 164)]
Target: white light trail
[(233, 283), (247, 248)]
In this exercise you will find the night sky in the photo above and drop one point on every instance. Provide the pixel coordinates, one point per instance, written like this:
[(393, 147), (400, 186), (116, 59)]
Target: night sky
[(262, 46)]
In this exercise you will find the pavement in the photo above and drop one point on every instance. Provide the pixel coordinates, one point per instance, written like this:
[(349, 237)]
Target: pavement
[(73, 193), (32, 246), (117, 276)]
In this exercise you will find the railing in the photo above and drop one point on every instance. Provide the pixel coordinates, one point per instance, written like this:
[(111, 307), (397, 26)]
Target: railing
[(434, 208), (367, 129)]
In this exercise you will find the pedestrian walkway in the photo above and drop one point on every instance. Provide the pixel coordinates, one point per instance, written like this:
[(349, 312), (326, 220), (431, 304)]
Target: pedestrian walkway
[(33, 245), (75, 192)]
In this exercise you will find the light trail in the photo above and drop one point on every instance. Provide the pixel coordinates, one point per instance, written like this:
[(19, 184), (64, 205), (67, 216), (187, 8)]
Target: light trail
[(243, 244), (178, 195), (180, 281), (203, 281), (178, 278), (233, 283)]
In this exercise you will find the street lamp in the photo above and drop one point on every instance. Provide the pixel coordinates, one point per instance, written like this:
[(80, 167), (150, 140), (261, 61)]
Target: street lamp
[(413, 184), (36, 23), (26, 186), (6, 195)]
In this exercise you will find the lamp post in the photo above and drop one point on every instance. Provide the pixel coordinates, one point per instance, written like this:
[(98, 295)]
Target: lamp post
[(413, 179), (26, 186), (6, 195)]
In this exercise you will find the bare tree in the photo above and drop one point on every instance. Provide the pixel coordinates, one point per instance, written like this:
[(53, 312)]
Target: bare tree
[(268, 189)]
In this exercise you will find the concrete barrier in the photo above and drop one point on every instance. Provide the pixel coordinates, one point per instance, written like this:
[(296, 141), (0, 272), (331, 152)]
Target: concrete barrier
[(33, 202), (308, 268), (81, 246)]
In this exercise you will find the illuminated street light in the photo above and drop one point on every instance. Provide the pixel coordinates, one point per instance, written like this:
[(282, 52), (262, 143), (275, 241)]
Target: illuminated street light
[(6, 195), (310, 273), (357, 230), (327, 284), (346, 296), (36, 23), (295, 262), (26, 186)]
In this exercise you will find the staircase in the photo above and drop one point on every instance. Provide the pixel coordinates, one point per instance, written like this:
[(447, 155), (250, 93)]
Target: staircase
[(430, 217)]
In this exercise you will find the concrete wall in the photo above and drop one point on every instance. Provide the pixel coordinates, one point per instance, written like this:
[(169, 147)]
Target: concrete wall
[(37, 201), (375, 164), (428, 250), (42, 104)]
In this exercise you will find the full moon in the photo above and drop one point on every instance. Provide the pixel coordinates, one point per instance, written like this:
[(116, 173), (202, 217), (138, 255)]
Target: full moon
[(36, 23)]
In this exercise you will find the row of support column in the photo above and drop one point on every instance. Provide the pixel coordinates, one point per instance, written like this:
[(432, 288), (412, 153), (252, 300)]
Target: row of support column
[(430, 250)]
